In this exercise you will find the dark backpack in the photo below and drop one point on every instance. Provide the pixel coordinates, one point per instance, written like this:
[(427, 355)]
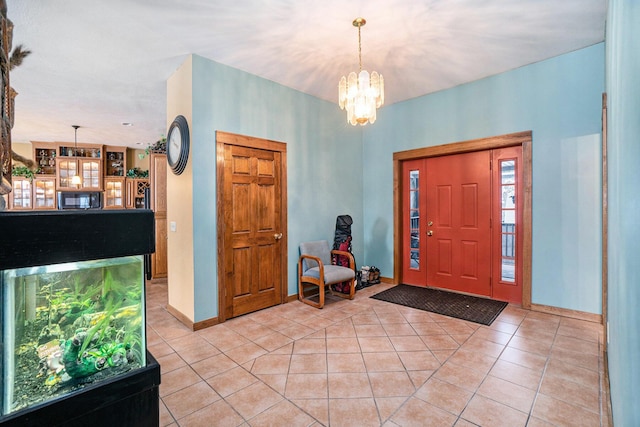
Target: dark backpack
[(342, 242)]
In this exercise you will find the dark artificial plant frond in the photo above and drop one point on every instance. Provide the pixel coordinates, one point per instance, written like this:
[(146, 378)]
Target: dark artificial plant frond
[(17, 56)]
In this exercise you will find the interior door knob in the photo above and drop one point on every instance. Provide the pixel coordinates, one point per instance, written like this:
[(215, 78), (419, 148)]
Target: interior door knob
[(429, 233), (277, 236)]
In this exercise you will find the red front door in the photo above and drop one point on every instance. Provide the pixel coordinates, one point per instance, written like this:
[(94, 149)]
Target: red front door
[(449, 206), (458, 222)]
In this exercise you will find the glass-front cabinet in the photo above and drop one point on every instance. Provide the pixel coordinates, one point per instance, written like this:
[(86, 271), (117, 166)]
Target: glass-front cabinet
[(115, 166), (114, 193), (84, 161), (89, 170), (44, 193), (20, 196), (91, 174), (67, 169)]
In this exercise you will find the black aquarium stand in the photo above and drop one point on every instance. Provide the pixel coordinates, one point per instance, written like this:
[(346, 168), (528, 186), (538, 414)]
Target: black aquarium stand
[(131, 400)]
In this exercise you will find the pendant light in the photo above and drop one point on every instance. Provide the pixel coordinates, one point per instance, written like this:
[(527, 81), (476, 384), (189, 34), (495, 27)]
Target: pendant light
[(76, 178), (361, 94)]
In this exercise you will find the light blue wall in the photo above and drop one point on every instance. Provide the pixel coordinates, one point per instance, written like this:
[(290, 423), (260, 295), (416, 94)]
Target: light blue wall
[(334, 168), (560, 101), (323, 163), (623, 92)]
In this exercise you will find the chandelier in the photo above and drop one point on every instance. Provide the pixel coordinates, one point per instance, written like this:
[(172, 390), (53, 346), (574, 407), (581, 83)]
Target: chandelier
[(361, 94)]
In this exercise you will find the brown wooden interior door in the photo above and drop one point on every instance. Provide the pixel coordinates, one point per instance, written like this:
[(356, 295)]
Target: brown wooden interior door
[(253, 263), (458, 206)]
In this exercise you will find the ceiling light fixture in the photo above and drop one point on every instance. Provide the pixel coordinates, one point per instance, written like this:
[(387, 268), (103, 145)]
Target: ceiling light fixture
[(361, 94), (75, 180)]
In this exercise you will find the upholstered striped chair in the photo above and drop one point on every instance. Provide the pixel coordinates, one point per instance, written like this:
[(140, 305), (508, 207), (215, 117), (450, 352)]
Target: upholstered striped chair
[(315, 269)]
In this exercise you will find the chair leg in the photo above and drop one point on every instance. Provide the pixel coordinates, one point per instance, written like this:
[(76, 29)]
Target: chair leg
[(300, 291), (321, 292), (305, 300), (301, 296)]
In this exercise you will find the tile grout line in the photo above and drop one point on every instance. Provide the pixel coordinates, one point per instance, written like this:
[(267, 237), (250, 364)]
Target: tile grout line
[(544, 370), (459, 416), (335, 319)]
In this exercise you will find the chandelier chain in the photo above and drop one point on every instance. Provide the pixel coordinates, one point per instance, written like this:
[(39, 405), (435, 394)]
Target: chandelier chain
[(360, 47)]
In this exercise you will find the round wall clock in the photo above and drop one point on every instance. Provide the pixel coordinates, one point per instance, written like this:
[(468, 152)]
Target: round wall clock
[(178, 145)]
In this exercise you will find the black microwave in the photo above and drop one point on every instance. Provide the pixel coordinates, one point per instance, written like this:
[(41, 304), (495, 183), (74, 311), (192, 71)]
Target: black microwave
[(79, 200)]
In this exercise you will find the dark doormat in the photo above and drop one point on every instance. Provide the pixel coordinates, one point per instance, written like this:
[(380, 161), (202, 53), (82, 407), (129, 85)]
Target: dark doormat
[(465, 307)]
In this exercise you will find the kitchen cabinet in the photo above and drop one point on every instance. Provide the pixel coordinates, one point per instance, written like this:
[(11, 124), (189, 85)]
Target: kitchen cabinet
[(44, 193), (84, 160), (115, 167), (20, 196), (101, 168), (90, 174), (158, 183), (135, 192), (66, 170), (115, 161), (114, 193), (44, 155), (90, 171)]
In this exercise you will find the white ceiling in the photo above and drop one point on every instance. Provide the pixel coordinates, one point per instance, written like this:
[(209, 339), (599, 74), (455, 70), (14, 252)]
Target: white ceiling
[(99, 63)]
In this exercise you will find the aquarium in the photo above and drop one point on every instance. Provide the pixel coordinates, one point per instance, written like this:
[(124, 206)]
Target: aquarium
[(68, 326)]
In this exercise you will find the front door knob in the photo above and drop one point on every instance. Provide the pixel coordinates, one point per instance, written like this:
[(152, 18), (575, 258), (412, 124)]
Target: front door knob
[(429, 233), (277, 236)]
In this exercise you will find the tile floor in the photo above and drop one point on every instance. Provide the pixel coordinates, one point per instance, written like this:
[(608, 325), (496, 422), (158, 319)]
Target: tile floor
[(371, 363)]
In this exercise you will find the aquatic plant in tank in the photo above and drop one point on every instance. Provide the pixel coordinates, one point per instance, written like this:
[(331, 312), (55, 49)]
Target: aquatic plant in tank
[(67, 326)]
